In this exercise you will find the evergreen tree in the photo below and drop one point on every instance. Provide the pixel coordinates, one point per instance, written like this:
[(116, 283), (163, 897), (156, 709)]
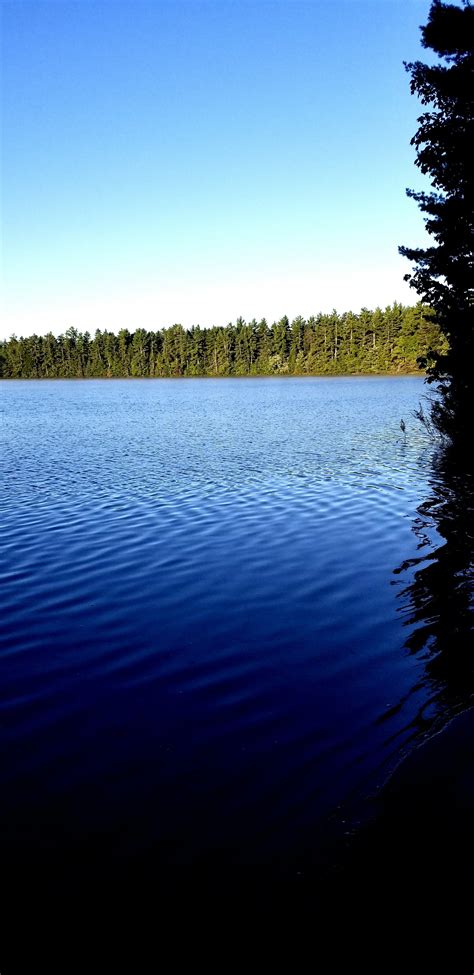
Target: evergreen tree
[(443, 273), (380, 341), (263, 346), (124, 340)]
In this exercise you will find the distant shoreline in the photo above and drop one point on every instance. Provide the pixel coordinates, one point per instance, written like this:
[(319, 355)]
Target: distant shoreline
[(314, 375), (397, 341)]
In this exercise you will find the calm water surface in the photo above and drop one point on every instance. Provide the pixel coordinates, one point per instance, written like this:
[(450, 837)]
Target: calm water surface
[(202, 650)]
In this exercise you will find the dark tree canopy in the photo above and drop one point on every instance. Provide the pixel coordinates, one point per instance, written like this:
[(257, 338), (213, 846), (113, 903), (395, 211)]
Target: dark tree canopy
[(443, 273)]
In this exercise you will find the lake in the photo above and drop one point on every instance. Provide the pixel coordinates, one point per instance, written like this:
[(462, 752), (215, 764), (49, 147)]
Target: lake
[(204, 650)]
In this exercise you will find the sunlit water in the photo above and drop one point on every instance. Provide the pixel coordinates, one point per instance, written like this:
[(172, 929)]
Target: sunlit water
[(202, 650)]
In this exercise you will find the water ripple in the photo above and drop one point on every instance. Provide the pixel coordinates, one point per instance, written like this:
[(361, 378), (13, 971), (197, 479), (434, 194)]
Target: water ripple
[(196, 599)]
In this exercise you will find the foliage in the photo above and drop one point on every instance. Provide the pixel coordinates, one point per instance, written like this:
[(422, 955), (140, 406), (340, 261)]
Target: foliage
[(389, 341), (443, 274)]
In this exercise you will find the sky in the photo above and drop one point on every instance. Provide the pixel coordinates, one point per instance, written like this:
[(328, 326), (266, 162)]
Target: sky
[(198, 160)]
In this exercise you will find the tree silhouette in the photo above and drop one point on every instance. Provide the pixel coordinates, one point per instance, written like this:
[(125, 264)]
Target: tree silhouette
[(443, 273)]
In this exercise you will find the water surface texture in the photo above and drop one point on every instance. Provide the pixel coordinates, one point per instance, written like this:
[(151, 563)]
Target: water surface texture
[(203, 652)]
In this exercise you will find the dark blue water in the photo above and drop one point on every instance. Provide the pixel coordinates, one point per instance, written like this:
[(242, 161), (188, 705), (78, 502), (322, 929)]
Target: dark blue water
[(202, 651)]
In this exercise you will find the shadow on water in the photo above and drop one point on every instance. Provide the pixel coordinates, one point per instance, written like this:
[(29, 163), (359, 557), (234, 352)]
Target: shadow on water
[(415, 859), (437, 602)]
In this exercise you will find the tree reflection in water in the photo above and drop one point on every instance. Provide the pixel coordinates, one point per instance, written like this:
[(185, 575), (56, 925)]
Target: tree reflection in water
[(415, 859), (438, 600)]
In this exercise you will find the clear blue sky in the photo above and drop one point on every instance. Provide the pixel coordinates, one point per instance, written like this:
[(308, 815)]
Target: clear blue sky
[(195, 161)]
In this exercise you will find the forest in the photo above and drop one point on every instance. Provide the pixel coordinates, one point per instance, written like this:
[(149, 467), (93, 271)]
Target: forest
[(399, 339)]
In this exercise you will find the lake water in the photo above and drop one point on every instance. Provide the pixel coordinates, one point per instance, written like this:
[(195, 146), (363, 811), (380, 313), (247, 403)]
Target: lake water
[(203, 649)]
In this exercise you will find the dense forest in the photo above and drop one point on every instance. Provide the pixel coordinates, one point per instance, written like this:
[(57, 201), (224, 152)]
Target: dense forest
[(396, 340)]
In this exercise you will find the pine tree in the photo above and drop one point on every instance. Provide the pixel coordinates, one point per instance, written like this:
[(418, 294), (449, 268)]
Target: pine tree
[(443, 273)]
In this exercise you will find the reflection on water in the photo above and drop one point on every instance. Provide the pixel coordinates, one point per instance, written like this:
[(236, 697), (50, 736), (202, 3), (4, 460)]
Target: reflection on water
[(438, 601), (409, 866)]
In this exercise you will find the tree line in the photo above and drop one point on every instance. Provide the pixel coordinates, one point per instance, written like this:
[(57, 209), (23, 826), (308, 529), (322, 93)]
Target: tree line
[(398, 339)]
